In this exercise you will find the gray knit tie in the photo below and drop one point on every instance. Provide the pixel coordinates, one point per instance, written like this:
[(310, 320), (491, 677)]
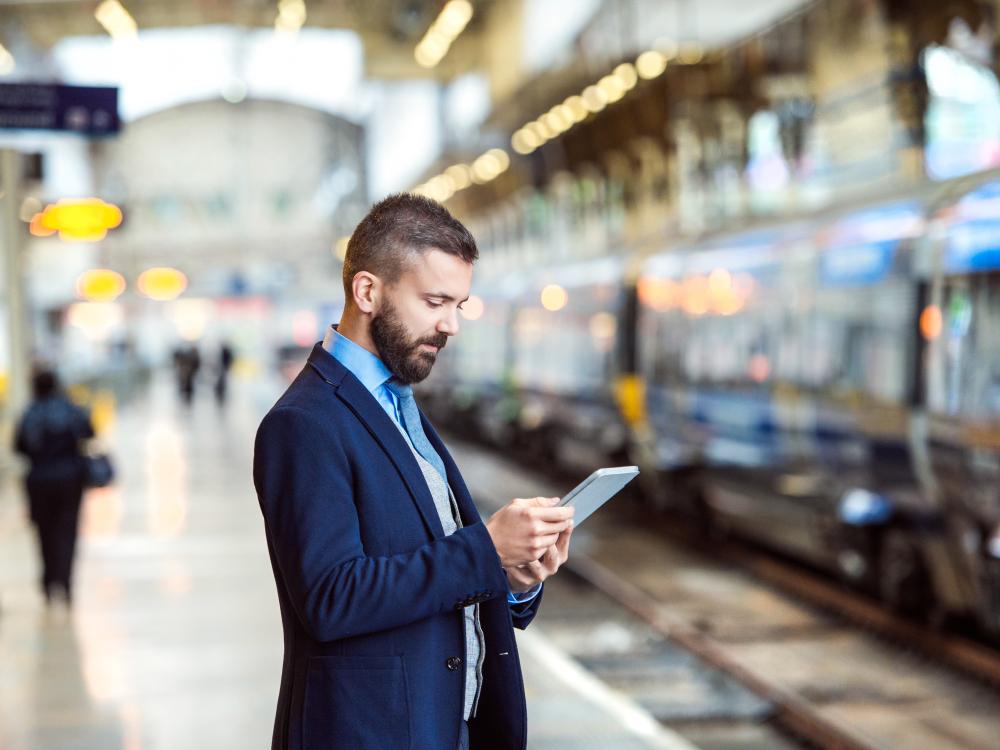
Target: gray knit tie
[(411, 423)]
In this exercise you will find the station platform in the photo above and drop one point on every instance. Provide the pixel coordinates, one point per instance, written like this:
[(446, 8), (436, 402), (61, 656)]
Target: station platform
[(174, 640)]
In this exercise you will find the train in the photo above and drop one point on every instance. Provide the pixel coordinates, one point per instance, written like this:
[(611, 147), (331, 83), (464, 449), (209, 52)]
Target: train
[(826, 385)]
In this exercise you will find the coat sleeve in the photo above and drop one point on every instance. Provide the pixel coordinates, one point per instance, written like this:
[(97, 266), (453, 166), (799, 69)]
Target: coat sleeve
[(522, 614), (304, 484)]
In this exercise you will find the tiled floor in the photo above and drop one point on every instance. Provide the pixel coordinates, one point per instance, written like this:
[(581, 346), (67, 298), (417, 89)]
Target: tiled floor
[(175, 640)]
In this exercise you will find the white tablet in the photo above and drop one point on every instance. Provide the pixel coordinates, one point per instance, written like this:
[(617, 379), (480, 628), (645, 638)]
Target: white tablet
[(597, 489)]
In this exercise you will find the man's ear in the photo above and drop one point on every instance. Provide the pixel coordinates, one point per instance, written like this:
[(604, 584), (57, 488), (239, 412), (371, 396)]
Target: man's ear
[(366, 288)]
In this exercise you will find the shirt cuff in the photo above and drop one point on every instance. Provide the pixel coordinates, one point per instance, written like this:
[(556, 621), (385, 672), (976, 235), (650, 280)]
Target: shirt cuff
[(524, 597)]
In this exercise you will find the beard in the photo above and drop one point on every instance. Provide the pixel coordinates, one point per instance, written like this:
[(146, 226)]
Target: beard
[(398, 351)]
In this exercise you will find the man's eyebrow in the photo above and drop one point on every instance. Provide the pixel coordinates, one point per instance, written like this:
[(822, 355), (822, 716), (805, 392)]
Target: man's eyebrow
[(445, 297)]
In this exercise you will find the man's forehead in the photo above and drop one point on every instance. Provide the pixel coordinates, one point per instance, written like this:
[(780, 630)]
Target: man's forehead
[(437, 267)]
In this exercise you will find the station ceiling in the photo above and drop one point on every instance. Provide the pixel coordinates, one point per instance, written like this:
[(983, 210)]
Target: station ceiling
[(389, 29)]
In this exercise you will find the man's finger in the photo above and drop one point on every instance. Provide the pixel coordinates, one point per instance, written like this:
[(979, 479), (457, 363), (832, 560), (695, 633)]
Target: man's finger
[(537, 570), (537, 502), (561, 513), (546, 541), (553, 527), (563, 542)]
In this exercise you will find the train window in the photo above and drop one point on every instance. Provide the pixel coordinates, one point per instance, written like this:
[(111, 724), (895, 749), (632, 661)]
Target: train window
[(571, 350), (858, 341), (660, 345), (965, 367)]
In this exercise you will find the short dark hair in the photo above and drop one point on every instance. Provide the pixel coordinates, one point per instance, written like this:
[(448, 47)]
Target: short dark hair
[(398, 226), (44, 383)]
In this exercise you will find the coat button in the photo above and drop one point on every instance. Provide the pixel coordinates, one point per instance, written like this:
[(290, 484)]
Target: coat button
[(454, 663)]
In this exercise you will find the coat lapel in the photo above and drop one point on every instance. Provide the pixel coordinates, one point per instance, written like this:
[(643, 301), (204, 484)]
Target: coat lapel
[(381, 427)]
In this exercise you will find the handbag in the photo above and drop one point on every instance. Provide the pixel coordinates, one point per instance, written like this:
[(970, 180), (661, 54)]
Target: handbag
[(98, 471)]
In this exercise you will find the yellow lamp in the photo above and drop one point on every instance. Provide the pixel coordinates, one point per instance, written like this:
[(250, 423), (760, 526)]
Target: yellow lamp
[(162, 284), (100, 285), (86, 220)]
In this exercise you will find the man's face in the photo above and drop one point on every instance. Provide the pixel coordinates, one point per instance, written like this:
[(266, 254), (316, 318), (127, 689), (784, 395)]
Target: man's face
[(418, 313)]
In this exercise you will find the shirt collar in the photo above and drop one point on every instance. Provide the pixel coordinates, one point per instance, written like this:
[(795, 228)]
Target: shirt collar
[(365, 366)]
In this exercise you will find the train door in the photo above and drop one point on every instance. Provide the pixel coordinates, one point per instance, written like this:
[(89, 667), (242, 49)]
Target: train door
[(963, 403)]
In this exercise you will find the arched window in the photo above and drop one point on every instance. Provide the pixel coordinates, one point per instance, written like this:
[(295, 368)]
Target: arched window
[(962, 121)]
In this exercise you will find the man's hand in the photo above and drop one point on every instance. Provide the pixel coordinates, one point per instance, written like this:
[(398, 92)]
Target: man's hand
[(526, 577), (524, 529)]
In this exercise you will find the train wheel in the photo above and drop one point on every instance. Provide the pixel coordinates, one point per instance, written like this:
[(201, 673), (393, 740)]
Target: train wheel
[(904, 583)]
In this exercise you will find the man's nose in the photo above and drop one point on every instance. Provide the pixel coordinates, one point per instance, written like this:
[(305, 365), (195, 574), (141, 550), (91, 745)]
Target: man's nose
[(449, 325)]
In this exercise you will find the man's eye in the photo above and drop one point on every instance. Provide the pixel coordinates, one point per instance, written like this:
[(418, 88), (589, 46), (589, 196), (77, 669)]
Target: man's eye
[(432, 303)]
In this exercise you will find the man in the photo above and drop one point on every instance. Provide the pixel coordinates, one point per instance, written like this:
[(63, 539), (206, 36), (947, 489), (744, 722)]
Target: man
[(397, 600)]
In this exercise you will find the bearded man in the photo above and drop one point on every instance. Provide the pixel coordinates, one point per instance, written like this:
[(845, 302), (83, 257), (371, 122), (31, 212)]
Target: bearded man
[(398, 603)]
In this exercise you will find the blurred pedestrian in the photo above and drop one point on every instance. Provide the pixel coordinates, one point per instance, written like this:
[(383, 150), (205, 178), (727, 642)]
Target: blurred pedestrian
[(187, 362), (50, 435), (222, 378)]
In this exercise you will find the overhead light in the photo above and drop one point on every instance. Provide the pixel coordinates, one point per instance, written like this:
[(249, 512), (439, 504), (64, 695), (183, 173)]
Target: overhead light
[(576, 106), (6, 61), (460, 175), (554, 298), (594, 99), (612, 87), (488, 166), (86, 220), (525, 141), (690, 53), (650, 64), (567, 114), (627, 75), (100, 285), (451, 21), (541, 129), (162, 284), (116, 20), (554, 123), (501, 158), (37, 229), (454, 17), (574, 109), (291, 16)]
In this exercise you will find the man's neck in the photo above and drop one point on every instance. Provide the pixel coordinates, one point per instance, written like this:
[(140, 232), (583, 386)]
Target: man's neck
[(354, 326)]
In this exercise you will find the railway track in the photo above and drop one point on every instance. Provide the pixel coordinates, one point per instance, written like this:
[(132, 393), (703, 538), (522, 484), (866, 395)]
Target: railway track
[(818, 666)]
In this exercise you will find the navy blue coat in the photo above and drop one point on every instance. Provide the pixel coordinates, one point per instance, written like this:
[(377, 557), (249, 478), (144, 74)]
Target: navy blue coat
[(370, 588)]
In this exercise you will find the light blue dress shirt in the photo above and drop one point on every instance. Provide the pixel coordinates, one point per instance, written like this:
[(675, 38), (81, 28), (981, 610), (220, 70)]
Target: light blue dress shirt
[(374, 375)]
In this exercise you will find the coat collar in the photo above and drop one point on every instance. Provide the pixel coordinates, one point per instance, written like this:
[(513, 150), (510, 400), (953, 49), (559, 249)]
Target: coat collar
[(371, 414)]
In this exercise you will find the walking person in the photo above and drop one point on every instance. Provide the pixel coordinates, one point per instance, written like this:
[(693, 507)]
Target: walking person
[(398, 603), (50, 435), (226, 357), (187, 362)]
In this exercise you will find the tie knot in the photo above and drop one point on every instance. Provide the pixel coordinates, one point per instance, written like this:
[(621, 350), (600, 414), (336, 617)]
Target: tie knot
[(401, 389)]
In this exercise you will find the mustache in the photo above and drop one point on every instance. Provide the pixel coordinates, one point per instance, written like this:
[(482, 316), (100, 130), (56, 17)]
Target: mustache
[(440, 340)]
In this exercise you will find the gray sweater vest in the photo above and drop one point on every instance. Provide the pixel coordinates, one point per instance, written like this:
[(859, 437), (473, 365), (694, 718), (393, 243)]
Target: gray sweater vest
[(447, 508)]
